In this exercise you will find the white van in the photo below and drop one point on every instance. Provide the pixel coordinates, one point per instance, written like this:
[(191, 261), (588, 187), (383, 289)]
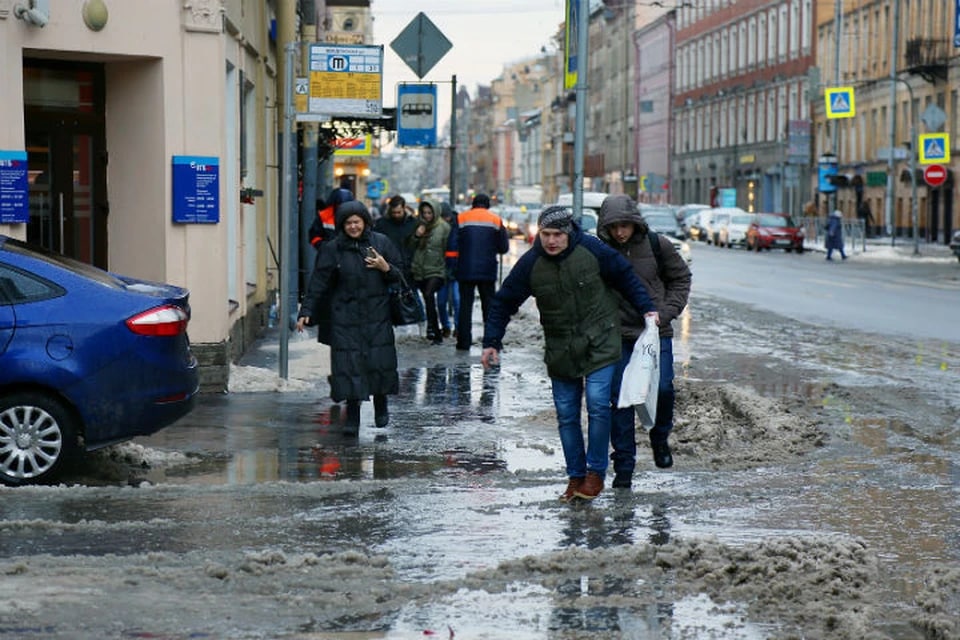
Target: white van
[(591, 208)]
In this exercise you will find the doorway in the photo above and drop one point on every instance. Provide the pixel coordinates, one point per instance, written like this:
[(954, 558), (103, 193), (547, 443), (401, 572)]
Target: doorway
[(66, 158)]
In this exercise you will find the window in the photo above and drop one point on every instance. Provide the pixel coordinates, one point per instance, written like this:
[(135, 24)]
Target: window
[(17, 287)]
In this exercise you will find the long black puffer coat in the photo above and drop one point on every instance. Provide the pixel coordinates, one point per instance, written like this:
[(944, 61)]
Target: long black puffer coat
[(363, 353)]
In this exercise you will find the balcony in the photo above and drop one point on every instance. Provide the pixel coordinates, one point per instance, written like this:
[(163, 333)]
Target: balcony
[(928, 58)]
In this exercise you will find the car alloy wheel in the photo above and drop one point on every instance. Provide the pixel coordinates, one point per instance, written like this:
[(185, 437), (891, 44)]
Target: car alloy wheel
[(37, 434)]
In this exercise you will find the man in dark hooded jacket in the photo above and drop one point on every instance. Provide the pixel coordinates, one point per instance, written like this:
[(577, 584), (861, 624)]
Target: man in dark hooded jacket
[(667, 278), (573, 276)]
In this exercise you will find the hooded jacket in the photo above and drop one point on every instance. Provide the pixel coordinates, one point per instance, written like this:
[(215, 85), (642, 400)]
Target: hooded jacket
[(363, 355), (430, 248), (669, 285)]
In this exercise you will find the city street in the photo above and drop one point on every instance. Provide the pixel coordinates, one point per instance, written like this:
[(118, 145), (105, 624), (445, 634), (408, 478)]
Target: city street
[(815, 492)]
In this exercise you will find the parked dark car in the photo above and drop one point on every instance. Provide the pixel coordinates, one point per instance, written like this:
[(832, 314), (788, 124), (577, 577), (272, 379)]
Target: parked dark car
[(85, 356), (955, 244), (774, 231)]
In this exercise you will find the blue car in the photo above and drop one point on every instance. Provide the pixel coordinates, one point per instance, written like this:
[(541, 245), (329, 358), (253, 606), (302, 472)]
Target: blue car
[(87, 359)]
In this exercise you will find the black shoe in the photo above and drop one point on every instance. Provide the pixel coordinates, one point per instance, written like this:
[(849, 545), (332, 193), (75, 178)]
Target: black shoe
[(446, 332), (381, 416), (662, 457), (622, 480), (463, 347), (351, 424)]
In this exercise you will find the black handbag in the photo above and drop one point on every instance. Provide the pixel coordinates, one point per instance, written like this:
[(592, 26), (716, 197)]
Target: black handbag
[(404, 304)]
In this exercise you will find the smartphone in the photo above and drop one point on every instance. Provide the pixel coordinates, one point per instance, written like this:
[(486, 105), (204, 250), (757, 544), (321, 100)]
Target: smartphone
[(371, 253)]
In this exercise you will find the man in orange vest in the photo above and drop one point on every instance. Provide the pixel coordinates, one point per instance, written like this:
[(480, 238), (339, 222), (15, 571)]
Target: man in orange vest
[(325, 226)]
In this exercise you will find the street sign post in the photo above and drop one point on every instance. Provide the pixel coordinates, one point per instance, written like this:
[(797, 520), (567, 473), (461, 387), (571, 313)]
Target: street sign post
[(935, 174)]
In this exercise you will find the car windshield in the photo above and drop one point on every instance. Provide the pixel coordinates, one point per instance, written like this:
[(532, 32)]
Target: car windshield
[(744, 220), (768, 220), (661, 221)]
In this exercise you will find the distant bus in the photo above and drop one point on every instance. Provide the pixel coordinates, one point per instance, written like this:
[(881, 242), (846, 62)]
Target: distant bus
[(436, 193)]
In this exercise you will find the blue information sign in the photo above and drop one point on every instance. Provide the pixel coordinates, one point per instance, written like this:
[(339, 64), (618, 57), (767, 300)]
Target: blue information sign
[(14, 187), (196, 189), (826, 168), (417, 115), (956, 25)]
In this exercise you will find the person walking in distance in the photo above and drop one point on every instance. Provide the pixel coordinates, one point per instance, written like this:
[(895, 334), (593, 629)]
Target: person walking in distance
[(353, 272), (480, 239), (667, 278), (429, 261), (834, 239), (448, 298), (573, 276)]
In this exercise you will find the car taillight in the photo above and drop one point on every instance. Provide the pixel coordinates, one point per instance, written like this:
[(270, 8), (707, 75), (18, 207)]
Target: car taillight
[(168, 320)]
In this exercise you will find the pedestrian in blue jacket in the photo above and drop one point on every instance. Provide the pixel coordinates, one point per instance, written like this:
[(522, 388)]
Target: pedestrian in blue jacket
[(479, 240)]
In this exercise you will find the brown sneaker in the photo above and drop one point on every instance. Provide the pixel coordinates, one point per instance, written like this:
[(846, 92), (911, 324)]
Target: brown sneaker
[(572, 485), (591, 487)]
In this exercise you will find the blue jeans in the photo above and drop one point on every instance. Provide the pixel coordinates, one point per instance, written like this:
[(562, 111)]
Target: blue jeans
[(623, 433), (567, 397), (447, 297)]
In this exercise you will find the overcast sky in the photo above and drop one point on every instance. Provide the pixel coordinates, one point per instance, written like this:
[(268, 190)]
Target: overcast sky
[(485, 36)]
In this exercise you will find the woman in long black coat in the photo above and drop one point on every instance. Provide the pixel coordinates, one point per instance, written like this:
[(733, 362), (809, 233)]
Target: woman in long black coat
[(352, 274)]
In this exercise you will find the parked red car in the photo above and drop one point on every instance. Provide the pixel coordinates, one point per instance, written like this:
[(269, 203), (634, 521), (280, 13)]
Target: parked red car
[(774, 231)]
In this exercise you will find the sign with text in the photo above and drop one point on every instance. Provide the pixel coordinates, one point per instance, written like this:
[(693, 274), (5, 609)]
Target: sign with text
[(417, 115), (196, 189), (346, 80), (14, 188)]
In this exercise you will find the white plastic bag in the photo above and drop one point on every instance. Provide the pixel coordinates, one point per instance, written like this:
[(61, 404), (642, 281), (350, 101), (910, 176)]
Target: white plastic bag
[(641, 377)]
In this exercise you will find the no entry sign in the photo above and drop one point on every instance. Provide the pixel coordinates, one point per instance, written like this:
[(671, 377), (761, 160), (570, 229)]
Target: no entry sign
[(935, 174)]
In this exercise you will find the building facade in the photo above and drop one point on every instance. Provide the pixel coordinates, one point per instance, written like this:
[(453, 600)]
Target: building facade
[(742, 77), (104, 103)]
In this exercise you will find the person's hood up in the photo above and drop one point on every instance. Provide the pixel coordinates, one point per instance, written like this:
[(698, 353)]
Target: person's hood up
[(619, 208), (836, 213), (437, 209), (353, 208)]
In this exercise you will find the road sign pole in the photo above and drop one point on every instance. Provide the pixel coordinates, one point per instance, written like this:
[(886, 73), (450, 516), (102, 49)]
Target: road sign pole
[(286, 202), (914, 213), (453, 141), (580, 115)]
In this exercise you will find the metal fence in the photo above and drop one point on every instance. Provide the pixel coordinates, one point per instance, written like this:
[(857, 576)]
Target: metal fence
[(854, 231)]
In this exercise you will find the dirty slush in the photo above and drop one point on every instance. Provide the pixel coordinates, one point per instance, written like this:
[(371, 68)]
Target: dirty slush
[(814, 496)]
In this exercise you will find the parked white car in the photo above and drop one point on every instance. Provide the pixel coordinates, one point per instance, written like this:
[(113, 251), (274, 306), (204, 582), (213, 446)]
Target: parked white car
[(730, 226)]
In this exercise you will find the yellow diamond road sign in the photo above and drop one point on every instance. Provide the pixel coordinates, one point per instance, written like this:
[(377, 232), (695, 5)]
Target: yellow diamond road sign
[(840, 102)]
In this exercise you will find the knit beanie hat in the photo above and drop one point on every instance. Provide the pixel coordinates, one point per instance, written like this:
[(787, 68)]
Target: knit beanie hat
[(556, 217)]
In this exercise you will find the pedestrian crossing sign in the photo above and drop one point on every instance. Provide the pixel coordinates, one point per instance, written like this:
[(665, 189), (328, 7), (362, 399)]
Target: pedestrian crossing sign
[(840, 102), (935, 148)]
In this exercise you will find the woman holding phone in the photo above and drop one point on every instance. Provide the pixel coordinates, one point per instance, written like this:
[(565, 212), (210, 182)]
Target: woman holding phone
[(353, 273)]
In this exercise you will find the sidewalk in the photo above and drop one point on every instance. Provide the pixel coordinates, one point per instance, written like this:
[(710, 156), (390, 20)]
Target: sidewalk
[(880, 249)]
